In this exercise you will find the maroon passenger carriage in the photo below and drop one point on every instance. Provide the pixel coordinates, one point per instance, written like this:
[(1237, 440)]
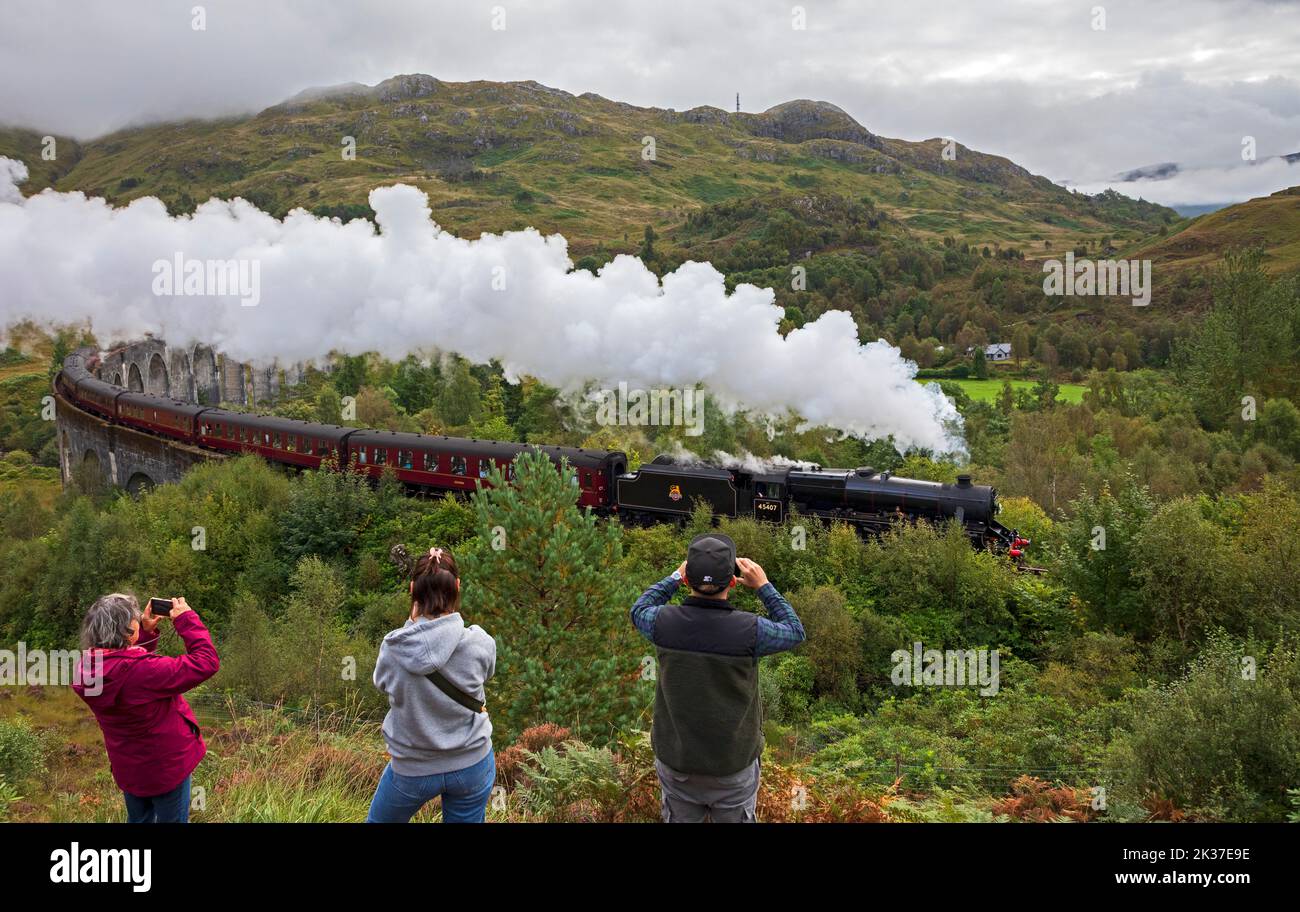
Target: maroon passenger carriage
[(169, 417), (458, 464), (303, 444)]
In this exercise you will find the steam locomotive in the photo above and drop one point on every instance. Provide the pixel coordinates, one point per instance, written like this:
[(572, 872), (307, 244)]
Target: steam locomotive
[(870, 500), (664, 490)]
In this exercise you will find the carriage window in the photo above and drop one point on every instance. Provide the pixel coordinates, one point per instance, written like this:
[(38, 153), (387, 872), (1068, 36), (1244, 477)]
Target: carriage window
[(458, 466), (405, 459), (276, 440), (430, 461), (381, 455), (510, 471), (361, 455), (291, 443), (484, 468)]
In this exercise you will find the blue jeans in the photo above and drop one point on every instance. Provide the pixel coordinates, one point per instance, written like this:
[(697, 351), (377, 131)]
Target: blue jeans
[(170, 807), (465, 793)]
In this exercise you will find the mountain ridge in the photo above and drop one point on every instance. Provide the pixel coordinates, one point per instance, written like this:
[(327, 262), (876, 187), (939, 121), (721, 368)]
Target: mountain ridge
[(496, 156)]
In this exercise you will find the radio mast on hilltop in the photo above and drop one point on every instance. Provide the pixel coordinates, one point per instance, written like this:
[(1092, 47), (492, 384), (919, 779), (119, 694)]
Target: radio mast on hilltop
[(737, 102)]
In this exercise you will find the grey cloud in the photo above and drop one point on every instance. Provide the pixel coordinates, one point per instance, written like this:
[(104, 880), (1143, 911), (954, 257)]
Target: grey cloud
[(1167, 80)]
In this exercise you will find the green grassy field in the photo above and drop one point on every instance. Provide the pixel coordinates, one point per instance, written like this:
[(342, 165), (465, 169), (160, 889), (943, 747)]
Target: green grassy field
[(987, 390)]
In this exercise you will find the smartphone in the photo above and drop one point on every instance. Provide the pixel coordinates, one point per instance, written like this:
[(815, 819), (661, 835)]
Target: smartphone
[(161, 607)]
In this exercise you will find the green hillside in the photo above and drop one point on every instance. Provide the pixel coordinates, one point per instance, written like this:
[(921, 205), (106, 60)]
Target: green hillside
[(495, 156), (1271, 222)]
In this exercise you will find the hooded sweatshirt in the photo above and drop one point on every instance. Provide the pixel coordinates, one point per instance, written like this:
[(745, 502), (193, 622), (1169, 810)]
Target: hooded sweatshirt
[(428, 732), (150, 733)]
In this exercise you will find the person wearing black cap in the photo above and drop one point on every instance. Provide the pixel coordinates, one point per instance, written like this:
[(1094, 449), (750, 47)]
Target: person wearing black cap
[(707, 731)]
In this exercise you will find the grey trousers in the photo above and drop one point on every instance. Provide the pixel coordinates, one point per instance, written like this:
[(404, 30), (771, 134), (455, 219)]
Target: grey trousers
[(695, 798)]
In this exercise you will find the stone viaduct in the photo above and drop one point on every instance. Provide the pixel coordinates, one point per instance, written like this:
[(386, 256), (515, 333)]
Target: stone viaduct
[(123, 457)]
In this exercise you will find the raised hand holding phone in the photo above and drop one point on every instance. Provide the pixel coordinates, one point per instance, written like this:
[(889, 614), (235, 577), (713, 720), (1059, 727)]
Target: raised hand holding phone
[(160, 608), (154, 612), (752, 575)]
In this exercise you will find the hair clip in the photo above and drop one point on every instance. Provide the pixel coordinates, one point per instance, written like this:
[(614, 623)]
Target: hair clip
[(436, 554)]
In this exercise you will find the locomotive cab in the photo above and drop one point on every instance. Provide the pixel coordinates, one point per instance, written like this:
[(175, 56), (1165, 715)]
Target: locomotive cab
[(763, 493)]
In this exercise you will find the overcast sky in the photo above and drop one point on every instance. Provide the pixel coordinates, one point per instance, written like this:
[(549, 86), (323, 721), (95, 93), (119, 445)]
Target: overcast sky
[(1034, 80)]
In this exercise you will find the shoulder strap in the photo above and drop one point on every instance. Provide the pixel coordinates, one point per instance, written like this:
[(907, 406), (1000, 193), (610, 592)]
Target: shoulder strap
[(451, 690)]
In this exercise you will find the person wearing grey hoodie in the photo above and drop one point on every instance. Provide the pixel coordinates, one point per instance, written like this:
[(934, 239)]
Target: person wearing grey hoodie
[(439, 745)]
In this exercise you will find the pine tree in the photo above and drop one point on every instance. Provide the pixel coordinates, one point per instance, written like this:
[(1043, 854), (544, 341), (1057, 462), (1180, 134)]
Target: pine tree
[(545, 584)]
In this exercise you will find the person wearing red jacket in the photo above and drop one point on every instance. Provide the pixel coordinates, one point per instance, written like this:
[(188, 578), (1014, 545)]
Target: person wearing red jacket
[(150, 733)]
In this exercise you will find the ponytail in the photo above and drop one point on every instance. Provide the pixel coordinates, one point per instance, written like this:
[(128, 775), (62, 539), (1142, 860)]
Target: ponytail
[(434, 584)]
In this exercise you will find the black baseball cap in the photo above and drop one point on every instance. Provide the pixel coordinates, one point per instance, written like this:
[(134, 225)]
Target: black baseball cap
[(710, 562)]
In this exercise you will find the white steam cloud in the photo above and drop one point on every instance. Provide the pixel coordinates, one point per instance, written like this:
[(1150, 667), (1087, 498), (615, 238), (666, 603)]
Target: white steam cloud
[(406, 285)]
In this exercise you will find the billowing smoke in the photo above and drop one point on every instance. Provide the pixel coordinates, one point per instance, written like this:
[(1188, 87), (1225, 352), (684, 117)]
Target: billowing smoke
[(405, 285), (745, 461)]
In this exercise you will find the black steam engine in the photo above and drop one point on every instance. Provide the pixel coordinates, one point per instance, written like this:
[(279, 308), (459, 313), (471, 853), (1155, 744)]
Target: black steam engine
[(873, 501)]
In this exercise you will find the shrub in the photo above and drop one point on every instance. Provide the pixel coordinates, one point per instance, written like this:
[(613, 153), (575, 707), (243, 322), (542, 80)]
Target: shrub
[(793, 676), (1217, 743), (834, 644), (1036, 801), (8, 798), (22, 751), (572, 783), (942, 588)]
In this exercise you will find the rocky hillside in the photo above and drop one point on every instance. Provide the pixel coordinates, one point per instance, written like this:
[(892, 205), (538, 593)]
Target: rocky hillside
[(495, 156), (1271, 222)]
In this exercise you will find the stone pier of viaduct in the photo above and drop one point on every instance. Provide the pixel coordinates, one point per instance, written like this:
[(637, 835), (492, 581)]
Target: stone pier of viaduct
[(196, 374)]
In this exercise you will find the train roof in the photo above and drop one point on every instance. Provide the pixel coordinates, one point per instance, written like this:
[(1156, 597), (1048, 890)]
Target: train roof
[(176, 406), (331, 432), (78, 377), (465, 446)]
